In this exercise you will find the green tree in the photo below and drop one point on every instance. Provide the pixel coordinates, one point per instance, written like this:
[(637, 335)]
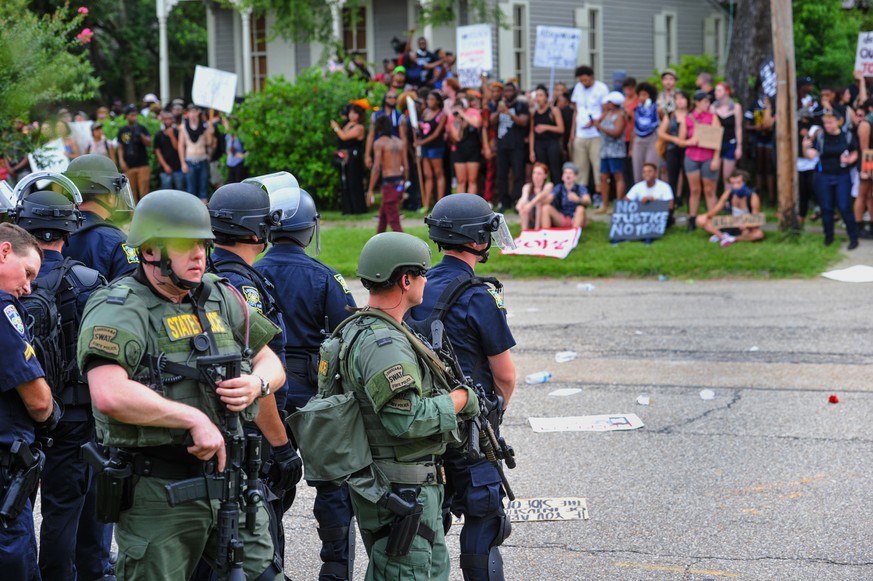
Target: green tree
[(825, 38)]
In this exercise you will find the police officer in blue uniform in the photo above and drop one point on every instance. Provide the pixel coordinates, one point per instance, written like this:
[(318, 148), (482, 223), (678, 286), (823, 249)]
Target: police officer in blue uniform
[(463, 226), (71, 537), (313, 299), (99, 243), (26, 405), (240, 216)]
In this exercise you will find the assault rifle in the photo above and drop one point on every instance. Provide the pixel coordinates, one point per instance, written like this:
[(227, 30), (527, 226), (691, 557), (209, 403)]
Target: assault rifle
[(488, 443)]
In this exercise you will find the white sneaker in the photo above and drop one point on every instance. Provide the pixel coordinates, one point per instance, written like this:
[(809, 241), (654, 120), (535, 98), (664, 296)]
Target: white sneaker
[(714, 238), (727, 240)]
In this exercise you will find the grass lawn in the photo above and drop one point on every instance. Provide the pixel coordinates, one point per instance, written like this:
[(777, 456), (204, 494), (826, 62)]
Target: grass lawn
[(677, 255)]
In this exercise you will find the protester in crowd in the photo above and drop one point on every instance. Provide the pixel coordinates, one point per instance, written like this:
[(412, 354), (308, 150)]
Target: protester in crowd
[(675, 157), (704, 83), (568, 203), (494, 93), (236, 152), (166, 144), (739, 200), (546, 132), (196, 137), (631, 100), (838, 151), (466, 133), (388, 165), (431, 139), (99, 144), (701, 163), (730, 115), (390, 108), (564, 105), (350, 150), (134, 140), (646, 123), (102, 113), (759, 124), (807, 171), (584, 144), (612, 149), (666, 100), (65, 134), (177, 108), (534, 195), (650, 188), (511, 120), (147, 103), (864, 201)]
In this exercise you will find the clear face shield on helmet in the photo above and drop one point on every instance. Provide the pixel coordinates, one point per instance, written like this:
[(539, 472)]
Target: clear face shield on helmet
[(274, 181), (500, 235), (22, 187), (284, 204), (7, 202), (125, 195)]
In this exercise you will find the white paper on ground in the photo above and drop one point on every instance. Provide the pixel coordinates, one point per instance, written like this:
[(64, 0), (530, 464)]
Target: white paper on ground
[(599, 423), (857, 273), (566, 391)]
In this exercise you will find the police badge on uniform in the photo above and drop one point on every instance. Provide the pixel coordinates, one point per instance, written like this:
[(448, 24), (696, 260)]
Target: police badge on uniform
[(130, 254), (339, 278), (12, 314), (253, 297), (498, 298)]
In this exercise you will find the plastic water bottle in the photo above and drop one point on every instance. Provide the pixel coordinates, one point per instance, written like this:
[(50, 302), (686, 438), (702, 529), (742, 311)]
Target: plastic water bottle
[(538, 377), (565, 356), (585, 287)]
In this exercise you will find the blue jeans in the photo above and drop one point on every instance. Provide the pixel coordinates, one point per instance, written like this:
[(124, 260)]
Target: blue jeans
[(198, 178), (836, 190), (173, 181)]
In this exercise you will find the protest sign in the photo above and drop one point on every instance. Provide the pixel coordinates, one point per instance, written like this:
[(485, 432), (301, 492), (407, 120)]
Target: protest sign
[(542, 510), (81, 132), (557, 47), (474, 53), (767, 74), (864, 54), (737, 221), (213, 89), (708, 136), (600, 423), (550, 242), (638, 221), (50, 157)]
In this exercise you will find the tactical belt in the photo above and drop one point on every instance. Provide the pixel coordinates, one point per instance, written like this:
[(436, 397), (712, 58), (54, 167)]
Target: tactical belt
[(424, 532), (401, 473), (297, 365), (75, 394), (145, 465)]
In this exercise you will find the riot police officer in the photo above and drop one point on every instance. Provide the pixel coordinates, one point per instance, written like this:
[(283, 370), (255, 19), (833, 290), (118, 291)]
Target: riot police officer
[(71, 537), (463, 226), (26, 406), (240, 215), (174, 358), (106, 194), (313, 299)]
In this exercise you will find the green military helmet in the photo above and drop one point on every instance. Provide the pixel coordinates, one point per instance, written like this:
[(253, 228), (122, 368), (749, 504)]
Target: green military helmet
[(169, 214), (97, 175), (384, 253)]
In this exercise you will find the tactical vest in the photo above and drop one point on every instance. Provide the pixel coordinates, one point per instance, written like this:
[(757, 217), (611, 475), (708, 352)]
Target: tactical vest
[(171, 328)]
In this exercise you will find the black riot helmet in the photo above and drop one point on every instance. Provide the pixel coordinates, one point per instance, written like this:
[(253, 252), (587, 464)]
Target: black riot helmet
[(239, 211), (461, 219), (296, 217), (49, 216)]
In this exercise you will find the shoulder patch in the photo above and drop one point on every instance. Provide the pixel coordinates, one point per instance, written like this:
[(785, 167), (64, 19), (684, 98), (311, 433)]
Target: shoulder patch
[(400, 403), (130, 253), (396, 377), (14, 318), (29, 351), (103, 339), (253, 297), (339, 278), (498, 298)]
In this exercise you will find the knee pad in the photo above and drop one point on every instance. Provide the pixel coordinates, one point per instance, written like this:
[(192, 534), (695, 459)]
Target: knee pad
[(483, 567), (504, 530)]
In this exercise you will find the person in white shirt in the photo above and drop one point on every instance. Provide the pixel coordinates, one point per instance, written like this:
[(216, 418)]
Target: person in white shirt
[(584, 144), (651, 188)]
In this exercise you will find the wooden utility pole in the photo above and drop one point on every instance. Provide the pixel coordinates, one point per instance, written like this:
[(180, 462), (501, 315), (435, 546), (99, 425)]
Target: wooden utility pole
[(782, 25)]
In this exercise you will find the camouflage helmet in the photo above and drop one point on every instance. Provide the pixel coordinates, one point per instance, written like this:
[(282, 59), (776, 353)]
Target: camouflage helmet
[(384, 253), (169, 214)]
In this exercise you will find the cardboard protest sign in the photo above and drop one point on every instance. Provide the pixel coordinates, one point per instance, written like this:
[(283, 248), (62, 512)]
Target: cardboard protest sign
[(474, 53), (708, 136), (550, 242), (600, 423), (638, 221), (867, 160), (543, 509), (864, 54), (767, 74), (213, 89), (557, 47), (737, 221)]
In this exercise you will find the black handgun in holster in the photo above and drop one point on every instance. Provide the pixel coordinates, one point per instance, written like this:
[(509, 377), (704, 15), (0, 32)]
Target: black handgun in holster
[(22, 479), (403, 502), (114, 483)]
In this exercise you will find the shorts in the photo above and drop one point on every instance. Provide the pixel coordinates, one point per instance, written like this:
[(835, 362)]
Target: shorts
[(566, 221), (467, 152), (706, 173), (729, 150), (612, 165), (433, 152)]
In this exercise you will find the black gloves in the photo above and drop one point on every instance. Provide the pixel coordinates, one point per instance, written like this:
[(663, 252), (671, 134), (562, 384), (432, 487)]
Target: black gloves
[(286, 468)]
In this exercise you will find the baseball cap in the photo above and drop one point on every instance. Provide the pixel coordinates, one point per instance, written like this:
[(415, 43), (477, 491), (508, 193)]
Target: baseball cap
[(699, 95), (177, 102), (571, 166), (128, 109), (150, 98), (400, 69), (615, 98), (671, 72)]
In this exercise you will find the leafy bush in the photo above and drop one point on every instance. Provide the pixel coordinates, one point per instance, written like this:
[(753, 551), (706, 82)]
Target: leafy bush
[(688, 68), (287, 127)]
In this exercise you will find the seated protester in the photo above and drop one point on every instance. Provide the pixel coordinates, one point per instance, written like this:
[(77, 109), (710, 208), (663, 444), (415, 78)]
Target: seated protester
[(651, 188), (569, 201), (534, 195), (741, 200)]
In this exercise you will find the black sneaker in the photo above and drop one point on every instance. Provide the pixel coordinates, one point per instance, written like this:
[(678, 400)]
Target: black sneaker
[(865, 234), (828, 240), (692, 223), (852, 245)]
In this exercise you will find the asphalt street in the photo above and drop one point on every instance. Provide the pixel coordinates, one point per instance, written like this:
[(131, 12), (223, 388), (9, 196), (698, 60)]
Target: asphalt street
[(765, 481)]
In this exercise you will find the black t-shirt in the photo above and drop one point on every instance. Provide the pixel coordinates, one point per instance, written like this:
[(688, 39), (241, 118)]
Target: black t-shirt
[(511, 135), (170, 154), (831, 147), (135, 153)]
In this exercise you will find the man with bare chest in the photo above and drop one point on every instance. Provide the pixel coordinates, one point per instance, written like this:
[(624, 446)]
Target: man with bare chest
[(388, 154)]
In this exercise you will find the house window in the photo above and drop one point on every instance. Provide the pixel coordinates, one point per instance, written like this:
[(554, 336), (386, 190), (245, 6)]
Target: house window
[(589, 19), (355, 30), (666, 40), (715, 37), (259, 52), (520, 42)]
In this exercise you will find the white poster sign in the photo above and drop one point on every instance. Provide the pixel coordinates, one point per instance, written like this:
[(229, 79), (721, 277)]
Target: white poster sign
[(857, 273), (550, 242), (601, 423), (557, 47), (81, 131), (49, 157), (474, 53), (213, 89), (864, 55)]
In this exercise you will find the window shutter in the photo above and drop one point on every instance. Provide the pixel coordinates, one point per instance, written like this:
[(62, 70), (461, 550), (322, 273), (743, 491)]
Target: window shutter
[(505, 55), (660, 47), (581, 15), (709, 36)]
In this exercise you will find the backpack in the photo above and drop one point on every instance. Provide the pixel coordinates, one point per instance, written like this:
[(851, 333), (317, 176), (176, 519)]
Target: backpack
[(53, 318)]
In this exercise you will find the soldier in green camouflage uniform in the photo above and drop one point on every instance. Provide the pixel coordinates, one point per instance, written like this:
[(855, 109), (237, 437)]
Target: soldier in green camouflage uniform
[(408, 411), (167, 427)]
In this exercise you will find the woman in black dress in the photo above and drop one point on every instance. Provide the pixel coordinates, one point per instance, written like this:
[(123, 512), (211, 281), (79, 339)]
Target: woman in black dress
[(351, 142)]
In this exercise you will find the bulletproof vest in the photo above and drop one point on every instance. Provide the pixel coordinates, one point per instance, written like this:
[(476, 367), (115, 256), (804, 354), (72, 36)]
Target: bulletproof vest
[(171, 330), (433, 383)]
